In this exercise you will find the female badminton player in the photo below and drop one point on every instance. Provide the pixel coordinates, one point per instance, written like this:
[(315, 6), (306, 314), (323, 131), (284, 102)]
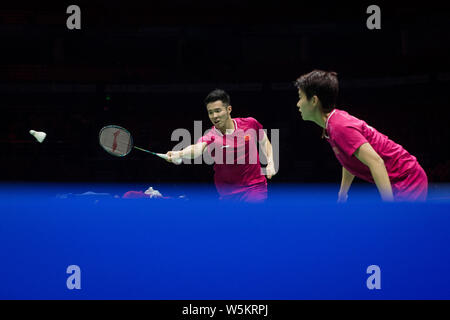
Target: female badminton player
[(232, 142), (361, 150)]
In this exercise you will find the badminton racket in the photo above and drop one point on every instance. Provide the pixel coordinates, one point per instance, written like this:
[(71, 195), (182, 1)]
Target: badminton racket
[(118, 142)]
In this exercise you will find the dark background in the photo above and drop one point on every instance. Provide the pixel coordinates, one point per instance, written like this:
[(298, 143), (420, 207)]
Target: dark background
[(147, 66)]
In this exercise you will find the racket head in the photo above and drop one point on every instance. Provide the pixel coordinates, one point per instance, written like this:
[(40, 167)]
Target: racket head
[(115, 140)]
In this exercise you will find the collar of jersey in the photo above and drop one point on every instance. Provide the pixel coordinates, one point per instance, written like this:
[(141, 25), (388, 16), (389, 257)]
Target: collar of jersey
[(235, 128)]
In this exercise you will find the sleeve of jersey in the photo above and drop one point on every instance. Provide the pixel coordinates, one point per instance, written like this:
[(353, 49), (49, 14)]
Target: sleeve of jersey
[(208, 138), (348, 138), (258, 127)]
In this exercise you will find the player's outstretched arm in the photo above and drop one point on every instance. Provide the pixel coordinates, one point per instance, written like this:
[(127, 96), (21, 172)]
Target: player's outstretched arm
[(347, 179), (367, 155), (267, 150), (190, 152)]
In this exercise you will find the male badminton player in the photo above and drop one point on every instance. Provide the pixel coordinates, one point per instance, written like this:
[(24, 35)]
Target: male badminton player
[(361, 150), (233, 144)]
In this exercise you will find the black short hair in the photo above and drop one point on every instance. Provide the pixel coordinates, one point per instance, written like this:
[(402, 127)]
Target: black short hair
[(323, 84), (216, 95)]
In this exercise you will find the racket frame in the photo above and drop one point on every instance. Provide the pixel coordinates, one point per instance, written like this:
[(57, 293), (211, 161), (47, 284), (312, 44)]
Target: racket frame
[(120, 128), (131, 144)]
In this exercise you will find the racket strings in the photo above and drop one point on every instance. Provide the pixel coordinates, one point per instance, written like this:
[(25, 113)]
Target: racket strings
[(119, 145), (116, 141)]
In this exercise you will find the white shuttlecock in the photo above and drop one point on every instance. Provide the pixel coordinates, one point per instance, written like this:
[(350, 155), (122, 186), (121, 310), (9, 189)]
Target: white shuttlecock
[(153, 193), (40, 136)]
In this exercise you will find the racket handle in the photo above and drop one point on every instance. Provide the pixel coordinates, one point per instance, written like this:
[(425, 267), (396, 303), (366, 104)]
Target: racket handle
[(165, 157)]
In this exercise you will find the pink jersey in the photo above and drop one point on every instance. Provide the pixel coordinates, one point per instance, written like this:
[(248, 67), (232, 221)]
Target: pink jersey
[(237, 167), (347, 133)]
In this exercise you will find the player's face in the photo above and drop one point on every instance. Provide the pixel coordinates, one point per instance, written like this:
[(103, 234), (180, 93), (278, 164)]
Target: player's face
[(218, 113), (305, 107)]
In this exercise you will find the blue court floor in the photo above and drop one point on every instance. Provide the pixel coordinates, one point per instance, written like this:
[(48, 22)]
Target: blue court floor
[(300, 244)]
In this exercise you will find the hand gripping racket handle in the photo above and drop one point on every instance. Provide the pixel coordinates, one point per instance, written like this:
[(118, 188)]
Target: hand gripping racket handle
[(165, 157)]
